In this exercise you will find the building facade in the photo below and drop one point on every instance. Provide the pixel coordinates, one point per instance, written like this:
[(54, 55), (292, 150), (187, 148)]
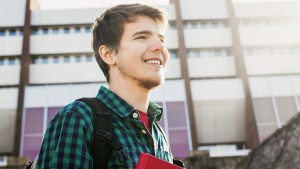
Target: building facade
[(224, 57)]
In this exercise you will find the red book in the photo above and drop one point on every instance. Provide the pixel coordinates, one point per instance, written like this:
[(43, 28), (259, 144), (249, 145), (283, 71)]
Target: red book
[(147, 161)]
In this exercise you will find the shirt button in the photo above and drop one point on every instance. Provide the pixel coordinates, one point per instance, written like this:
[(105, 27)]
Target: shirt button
[(144, 132), (135, 115)]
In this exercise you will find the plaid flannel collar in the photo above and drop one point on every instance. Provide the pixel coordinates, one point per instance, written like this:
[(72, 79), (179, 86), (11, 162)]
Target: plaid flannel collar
[(124, 109)]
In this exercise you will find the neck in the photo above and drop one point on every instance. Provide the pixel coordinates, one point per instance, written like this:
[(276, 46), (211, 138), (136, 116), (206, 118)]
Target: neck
[(133, 94)]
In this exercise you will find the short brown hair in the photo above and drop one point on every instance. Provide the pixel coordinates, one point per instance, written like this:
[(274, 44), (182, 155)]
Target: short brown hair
[(109, 27)]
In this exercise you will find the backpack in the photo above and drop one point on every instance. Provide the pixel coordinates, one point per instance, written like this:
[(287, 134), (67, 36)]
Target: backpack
[(103, 139)]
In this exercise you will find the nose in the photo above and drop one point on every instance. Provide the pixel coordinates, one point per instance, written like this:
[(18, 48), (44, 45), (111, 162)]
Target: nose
[(158, 45)]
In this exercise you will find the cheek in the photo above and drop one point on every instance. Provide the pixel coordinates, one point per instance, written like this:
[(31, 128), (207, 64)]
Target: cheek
[(165, 54)]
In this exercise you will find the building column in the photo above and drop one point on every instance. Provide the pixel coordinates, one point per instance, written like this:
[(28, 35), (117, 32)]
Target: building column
[(185, 71), (24, 77), (252, 139)]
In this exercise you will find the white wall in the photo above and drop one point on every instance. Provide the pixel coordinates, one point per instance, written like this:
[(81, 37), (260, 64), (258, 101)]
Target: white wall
[(173, 69), (9, 75), (67, 43), (8, 98), (8, 107), (11, 45), (267, 9), (7, 130), (219, 107), (280, 35), (65, 16), (77, 16), (211, 67), (172, 39), (277, 86), (12, 13), (171, 13), (65, 73), (73, 73), (200, 9), (272, 65), (207, 38), (217, 89), (60, 95)]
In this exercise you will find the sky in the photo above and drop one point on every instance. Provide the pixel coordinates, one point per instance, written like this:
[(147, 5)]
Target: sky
[(69, 4)]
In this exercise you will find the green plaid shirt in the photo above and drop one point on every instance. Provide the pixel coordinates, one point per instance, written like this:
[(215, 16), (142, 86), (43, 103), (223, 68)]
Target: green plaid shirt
[(69, 135)]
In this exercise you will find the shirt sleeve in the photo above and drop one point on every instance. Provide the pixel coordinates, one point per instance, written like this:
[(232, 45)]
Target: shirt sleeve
[(67, 141)]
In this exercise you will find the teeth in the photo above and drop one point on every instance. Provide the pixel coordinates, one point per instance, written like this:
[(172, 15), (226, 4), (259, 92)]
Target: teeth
[(153, 62)]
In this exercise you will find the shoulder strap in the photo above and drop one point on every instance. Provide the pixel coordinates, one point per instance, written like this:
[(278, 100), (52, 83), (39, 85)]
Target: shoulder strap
[(103, 140)]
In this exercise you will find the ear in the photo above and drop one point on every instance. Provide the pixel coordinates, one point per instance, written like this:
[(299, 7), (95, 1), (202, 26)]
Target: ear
[(106, 54)]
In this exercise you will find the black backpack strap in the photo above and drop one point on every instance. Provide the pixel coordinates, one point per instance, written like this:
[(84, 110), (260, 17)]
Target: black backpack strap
[(103, 141)]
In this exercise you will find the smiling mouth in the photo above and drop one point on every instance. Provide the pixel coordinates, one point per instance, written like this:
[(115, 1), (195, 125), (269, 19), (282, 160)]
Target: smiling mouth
[(155, 62)]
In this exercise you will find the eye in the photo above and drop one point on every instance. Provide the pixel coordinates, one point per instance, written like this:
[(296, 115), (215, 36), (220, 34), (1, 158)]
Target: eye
[(141, 37), (162, 40)]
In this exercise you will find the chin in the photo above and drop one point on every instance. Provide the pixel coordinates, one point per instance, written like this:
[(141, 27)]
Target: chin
[(153, 83)]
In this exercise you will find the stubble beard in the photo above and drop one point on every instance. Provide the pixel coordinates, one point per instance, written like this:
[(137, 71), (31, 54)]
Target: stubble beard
[(149, 83), (146, 83)]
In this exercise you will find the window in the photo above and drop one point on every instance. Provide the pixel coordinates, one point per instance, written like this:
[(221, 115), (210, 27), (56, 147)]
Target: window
[(11, 61), (177, 128), (12, 32), (77, 59), (52, 111), (66, 59), (55, 59), (194, 54), (186, 25), (264, 110), (34, 60), (249, 52), (35, 31), (216, 24), (2, 32), (1, 61), (55, 30), (66, 30), (33, 131), (172, 26), (292, 50), (44, 60), (88, 58), (87, 29), (45, 31), (286, 108), (218, 53), (173, 54), (194, 25), (21, 32), (77, 29), (265, 131), (206, 25)]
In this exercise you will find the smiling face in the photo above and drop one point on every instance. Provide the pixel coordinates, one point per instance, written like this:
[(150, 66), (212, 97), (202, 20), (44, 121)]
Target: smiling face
[(142, 56)]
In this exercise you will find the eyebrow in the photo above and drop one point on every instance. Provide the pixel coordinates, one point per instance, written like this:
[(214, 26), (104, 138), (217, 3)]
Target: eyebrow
[(146, 33)]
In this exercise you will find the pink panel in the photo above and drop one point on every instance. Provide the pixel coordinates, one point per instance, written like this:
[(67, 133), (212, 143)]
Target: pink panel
[(176, 114), (31, 146), (34, 120), (179, 143), (51, 113)]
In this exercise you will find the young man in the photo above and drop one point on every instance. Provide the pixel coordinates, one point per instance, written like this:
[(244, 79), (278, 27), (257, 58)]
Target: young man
[(128, 42)]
